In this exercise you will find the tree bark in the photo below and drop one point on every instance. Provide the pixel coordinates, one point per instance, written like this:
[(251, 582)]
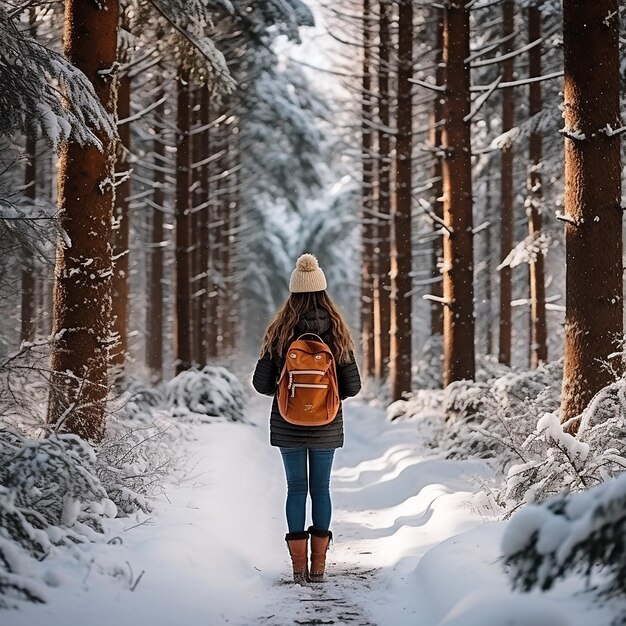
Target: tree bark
[(506, 186), (232, 238), (367, 188), (215, 145), (28, 312), (196, 242), (219, 227), (534, 203), (182, 349), (154, 322), (593, 230), (402, 257), (204, 218), (458, 271), (83, 269), (225, 244), (119, 352), (436, 310), (489, 263), (29, 282), (383, 309)]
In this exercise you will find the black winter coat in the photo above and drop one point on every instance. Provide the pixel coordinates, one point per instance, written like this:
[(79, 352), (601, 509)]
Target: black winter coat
[(284, 434)]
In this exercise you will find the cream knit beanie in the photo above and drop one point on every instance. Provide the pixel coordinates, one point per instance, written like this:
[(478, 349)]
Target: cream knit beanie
[(308, 275)]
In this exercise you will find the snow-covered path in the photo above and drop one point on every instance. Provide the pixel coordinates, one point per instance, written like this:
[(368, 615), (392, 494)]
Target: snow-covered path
[(415, 543), (390, 506)]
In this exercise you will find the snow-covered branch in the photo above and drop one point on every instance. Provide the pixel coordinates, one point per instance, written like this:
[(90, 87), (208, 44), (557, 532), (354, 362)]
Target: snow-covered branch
[(482, 99), (42, 93), (519, 83), (508, 55), (563, 217), (434, 298), (431, 86)]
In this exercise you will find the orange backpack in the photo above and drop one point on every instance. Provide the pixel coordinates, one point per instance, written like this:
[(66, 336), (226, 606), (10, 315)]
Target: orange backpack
[(308, 392)]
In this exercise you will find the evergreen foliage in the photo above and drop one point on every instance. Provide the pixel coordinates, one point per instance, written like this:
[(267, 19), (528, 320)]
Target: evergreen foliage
[(55, 492), (182, 30), (584, 532), (286, 16), (43, 94), (207, 394)]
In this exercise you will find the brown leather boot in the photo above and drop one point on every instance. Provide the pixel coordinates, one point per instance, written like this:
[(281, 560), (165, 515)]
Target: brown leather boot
[(297, 543), (320, 540)]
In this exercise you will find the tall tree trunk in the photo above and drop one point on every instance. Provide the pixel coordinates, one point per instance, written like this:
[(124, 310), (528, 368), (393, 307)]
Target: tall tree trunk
[(219, 226), (489, 264), (204, 219), (154, 322), (121, 229), (47, 171), (367, 188), (29, 316), (182, 218), (538, 324), (402, 257), (196, 241), (29, 282), (82, 290), (215, 145), (506, 186), (384, 192), (593, 230), (436, 310), (225, 244), (233, 227), (458, 271)]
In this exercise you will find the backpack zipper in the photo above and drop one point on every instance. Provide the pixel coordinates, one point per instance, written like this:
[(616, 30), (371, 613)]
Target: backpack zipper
[(293, 373), (309, 385)]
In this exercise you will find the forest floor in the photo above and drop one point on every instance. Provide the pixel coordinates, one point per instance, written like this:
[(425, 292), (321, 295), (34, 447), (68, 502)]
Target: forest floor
[(416, 541)]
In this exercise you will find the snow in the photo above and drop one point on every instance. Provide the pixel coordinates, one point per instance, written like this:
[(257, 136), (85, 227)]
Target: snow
[(551, 423), (71, 509), (575, 134), (481, 609), (416, 541)]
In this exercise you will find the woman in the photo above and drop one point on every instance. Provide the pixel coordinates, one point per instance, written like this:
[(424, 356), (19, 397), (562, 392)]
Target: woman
[(308, 309)]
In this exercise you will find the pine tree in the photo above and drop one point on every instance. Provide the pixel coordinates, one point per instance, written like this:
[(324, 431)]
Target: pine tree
[(29, 282), (506, 185), (183, 226), (204, 223), (121, 253), (382, 284), (534, 202), (436, 311), (82, 291), (592, 211), (196, 243), (401, 251), (214, 261), (458, 271), (154, 312), (367, 199)]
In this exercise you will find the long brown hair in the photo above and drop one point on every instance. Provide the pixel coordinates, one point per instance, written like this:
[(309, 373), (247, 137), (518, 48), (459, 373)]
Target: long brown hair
[(281, 329)]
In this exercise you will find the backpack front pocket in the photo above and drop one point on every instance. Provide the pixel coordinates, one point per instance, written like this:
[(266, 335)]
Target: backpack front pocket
[(294, 373), (307, 386)]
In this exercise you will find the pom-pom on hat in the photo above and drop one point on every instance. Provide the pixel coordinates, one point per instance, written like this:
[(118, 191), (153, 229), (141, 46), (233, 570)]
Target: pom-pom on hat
[(308, 275)]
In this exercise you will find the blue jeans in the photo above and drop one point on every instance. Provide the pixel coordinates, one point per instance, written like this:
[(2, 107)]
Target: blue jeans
[(317, 484)]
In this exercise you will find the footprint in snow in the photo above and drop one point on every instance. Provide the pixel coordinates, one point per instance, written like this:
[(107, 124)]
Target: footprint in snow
[(336, 601)]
